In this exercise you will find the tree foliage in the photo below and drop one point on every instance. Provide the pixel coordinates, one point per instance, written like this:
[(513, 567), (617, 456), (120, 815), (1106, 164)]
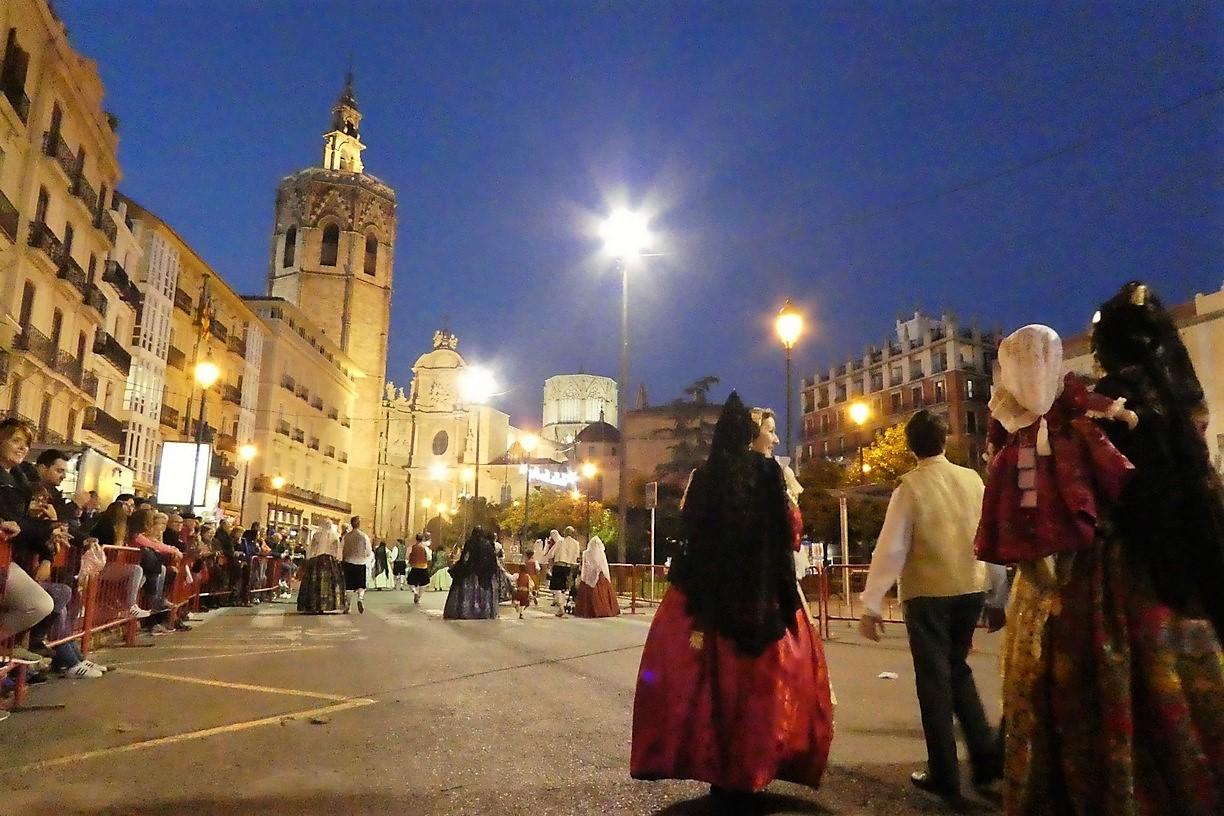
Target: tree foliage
[(690, 434), (556, 510)]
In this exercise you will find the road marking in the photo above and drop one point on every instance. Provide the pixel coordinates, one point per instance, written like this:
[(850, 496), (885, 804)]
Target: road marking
[(184, 737), (243, 686), (215, 656)]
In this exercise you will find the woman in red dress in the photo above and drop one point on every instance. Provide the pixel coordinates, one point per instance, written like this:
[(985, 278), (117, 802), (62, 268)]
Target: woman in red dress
[(596, 598), (733, 688)]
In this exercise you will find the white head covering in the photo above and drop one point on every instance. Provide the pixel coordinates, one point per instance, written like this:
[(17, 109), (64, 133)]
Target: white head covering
[(1030, 376), (325, 540), (595, 562), (554, 538), (793, 488)]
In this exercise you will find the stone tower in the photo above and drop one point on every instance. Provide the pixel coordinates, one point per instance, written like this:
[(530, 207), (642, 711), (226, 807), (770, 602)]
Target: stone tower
[(332, 255)]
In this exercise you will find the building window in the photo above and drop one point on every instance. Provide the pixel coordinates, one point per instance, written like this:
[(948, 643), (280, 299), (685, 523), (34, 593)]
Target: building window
[(895, 401), (371, 255), (15, 396), (331, 245), (44, 204), (290, 247), (57, 329), (824, 446), (57, 119), (971, 422), (72, 419), (440, 443), (941, 390), (69, 235), (27, 304), (44, 417), (968, 389), (916, 396)]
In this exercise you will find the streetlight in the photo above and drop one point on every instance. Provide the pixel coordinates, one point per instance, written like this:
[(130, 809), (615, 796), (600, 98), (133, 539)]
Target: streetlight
[(476, 385), (246, 453), (788, 325), (625, 234), (860, 412), (528, 443), (278, 483), (206, 375), (588, 471)]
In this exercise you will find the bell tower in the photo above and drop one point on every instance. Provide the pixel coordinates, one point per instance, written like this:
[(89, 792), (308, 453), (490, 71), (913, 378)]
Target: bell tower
[(332, 253)]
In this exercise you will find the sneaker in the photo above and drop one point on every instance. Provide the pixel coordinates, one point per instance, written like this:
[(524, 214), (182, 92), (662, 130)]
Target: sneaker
[(179, 626), (34, 677), (93, 665), (161, 629), (360, 608), (81, 671), (138, 613)]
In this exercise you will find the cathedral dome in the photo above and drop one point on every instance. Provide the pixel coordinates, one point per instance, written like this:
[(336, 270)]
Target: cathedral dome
[(598, 432), (444, 354)]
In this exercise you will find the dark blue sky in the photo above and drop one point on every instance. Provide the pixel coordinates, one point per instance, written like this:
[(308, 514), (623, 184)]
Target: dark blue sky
[(791, 149)]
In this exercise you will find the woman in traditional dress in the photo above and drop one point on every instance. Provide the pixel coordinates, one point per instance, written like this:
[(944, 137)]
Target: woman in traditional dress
[(473, 595), (733, 688), (596, 598), (1114, 674), (322, 587), (380, 571)]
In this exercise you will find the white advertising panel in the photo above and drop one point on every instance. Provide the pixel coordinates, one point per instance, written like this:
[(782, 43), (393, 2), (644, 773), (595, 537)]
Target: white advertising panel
[(174, 480)]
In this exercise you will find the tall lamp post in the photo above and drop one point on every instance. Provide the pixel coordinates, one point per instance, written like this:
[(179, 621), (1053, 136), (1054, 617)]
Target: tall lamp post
[(246, 453), (588, 470), (528, 443), (278, 484), (625, 234), (859, 414), (788, 325), (206, 374), (476, 385)]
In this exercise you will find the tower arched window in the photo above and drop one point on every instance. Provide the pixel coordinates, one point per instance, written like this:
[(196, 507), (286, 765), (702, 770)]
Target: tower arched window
[(371, 255), (331, 245), (290, 247)]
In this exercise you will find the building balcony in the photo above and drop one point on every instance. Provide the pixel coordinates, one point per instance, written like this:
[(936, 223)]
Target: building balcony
[(237, 344), (117, 276), (50, 437), (206, 434), (8, 218), (313, 444), (82, 189), (72, 272), (18, 99), (282, 428), (56, 148), (43, 239), (231, 393), (95, 299), (287, 383), (103, 424), (330, 451), (70, 367), (333, 414), (344, 458), (226, 443), (183, 301), (170, 417), (298, 435), (263, 484), (176, 358), (218, 330), (316, 404), (89, 384), (103, 221), (107, 346), (223, 468), (346, 422), (37, 344)]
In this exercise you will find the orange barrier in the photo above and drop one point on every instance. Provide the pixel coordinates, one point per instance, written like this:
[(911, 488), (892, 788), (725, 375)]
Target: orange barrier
[(269, 566), (7, 667)]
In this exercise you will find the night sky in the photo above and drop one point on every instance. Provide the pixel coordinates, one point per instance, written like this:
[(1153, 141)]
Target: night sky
[(1014, 161)]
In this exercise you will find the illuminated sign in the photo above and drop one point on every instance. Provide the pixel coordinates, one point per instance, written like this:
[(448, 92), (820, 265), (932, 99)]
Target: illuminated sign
[(556, 478), (174, 479)]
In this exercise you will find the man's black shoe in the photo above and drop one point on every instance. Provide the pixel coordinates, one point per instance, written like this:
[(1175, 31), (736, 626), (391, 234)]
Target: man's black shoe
[(182, 627), (923, 781)]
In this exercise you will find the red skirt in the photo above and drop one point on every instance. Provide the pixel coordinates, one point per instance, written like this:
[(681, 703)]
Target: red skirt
[(704, 710), (598, 601)]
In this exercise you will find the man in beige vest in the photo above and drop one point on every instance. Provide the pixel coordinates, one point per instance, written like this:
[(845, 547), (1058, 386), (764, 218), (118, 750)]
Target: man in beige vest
[(927, 543)]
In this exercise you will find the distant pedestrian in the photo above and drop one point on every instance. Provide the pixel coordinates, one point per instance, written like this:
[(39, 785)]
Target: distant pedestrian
[(381, 572), (322, 588), (927, 542), (399, 562), (562, 556), (357, 555), (418, 562), (473, 594)]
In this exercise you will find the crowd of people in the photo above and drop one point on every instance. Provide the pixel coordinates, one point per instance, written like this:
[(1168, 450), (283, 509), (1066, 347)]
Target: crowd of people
[(1096, 542)]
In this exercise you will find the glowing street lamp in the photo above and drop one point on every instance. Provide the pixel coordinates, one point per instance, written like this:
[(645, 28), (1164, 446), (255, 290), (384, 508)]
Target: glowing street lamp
[(246, 453), (205, 373), (278, 483), (789, 326), (588, 471), (860, 412), (476, 386), (625, 234)]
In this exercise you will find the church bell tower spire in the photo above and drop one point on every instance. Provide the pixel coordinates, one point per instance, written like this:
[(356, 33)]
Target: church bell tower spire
[(342, 144)]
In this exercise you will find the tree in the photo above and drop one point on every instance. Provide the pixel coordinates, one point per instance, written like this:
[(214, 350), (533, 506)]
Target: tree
[(556, 510), (888, 457), (690, 433)]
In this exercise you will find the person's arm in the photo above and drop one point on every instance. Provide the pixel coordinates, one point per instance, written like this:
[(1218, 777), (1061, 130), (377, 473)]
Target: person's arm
[(892, 548), (157, 546)]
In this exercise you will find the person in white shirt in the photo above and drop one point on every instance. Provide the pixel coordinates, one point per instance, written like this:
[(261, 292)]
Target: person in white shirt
[(926, 547), (357, 555), (562, 554)]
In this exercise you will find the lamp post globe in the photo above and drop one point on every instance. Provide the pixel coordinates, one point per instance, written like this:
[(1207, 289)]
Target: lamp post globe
[(789, 326), (860, 412), (476, 386)]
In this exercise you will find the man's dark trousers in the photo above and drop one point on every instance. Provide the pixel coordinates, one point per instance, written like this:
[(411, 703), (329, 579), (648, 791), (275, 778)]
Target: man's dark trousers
[(940, 636)]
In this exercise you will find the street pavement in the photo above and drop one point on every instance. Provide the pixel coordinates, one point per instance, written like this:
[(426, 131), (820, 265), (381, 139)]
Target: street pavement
[(264, 711)]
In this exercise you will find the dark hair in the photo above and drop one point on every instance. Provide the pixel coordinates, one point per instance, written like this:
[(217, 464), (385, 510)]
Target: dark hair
[(50, 456), (926, 434), (139, 522), (11, 425), (122, 497), (355, 521), (39, 491), (529, 554)]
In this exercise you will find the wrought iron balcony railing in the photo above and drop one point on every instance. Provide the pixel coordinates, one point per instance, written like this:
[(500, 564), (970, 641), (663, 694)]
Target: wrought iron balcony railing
[(8, 218), (103, 424), (108, 347)]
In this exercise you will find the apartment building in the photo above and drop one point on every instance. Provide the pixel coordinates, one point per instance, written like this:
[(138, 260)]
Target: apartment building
[(67, 307), (931, 362)]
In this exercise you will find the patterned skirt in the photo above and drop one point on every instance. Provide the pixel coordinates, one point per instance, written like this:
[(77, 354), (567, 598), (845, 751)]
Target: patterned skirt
[(1113, 702), (322, 588)]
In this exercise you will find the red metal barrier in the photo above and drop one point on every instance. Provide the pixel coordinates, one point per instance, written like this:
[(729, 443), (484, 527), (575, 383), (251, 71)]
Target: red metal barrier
[(108, 597), (8, 668), (271, 569)]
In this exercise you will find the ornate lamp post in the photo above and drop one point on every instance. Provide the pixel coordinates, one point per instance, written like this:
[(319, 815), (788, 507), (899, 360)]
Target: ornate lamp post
[(246, 453), (278, 484), (789, 326), (476, 385), (860, 412), (206, 375), (588, 471), (625, 234), (528, 443)]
